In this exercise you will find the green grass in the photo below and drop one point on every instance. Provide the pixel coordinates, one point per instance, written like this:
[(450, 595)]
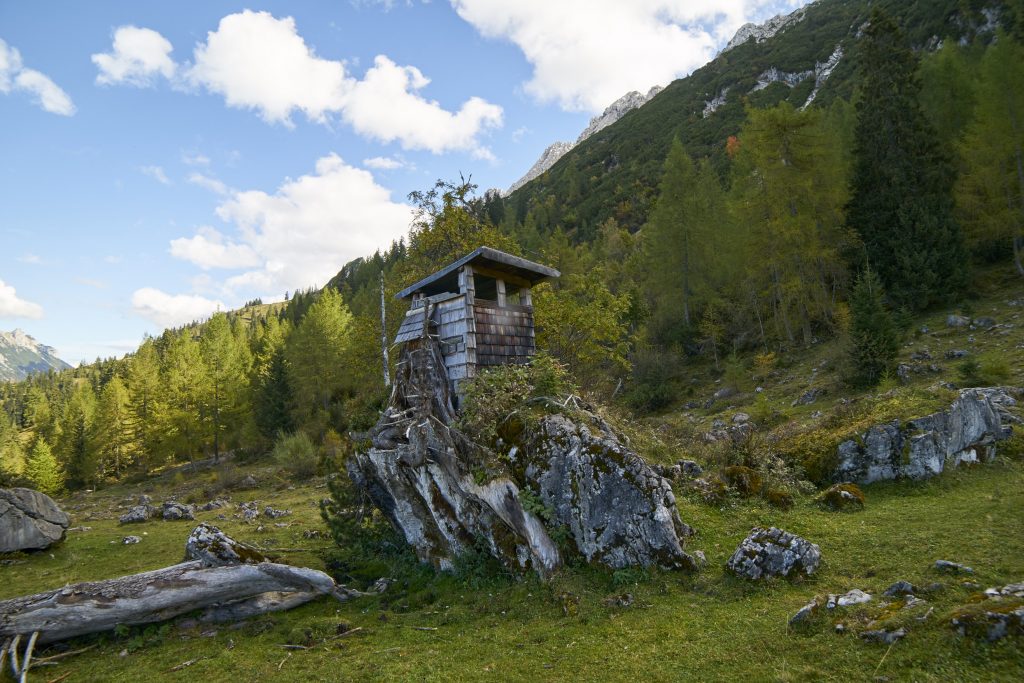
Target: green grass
[(709, 626)]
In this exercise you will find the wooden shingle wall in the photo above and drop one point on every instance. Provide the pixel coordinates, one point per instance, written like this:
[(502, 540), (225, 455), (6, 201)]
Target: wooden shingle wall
[(503, 335)]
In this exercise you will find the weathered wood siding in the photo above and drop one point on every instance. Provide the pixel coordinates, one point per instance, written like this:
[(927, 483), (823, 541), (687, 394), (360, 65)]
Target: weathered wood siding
[(503, 334)]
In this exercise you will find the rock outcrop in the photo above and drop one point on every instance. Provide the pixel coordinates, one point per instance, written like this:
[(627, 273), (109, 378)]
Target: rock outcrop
[(29, 520), (774, 552), (966, 432), (762, 32), (567, 474)]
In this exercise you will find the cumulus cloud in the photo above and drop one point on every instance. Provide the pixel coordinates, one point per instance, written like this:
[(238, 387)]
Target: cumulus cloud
[(195, 159), (11, 306), (208, 249), (172, 310), (301, 234), (259, 62), (587, 53), (137, 56), (15, 77), (384, 163), (156, 173)]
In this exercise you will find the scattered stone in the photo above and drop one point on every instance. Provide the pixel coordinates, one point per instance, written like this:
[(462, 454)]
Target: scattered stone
[(953, 354), (806, 613), (923, 354), (312, 533), (952, 567), (215, 504), (690, 468), (984, 322), (214, 548), (853, 597), (382, 584), (137, 514), (145, 499), (774, 552), (174, 511), (840, 628), (957, 321), (29, 520), (899, 589), (1010, 590), (808, 397), (274, 513), (817, 415), (623, 600), (740, 418), (131, 540), (249, 482), (883, 636), (924, 329), (966, 432), (934, 587), (250, 511)]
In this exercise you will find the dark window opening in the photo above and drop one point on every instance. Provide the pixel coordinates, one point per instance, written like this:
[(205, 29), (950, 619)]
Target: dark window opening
[(486, 287)]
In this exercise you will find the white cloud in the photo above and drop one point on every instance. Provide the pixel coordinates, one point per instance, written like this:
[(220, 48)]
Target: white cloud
[(13, 307), (172, 310), (156, 173), (259, 62), (388, 163), (207, 249), (31, 259), (138, 55), (385, 106), (14, 76), (195, 159), (212, 184), (300, 235), (587, 53)]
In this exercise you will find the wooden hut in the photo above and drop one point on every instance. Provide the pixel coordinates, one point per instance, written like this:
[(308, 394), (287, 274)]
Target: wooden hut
[(480, 310)]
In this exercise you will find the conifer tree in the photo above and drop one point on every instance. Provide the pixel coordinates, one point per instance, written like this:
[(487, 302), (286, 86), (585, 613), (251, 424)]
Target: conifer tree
[(316, 354), (148, 404), (226, 377), (188, 392), (42, 470), (12, 456), (990, 191), (679, 238), (74, 446), (901, 203), (874, 341), (113, 433), (272, 397)]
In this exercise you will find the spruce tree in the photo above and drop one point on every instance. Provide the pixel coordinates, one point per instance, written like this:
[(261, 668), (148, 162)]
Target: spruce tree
[(901, 202), (873, 337)]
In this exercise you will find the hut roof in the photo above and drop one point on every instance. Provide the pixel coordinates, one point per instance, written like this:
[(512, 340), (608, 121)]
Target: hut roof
[(447, 279)]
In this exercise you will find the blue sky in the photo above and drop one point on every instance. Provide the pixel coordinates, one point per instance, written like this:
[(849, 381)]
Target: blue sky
[(161, 160)]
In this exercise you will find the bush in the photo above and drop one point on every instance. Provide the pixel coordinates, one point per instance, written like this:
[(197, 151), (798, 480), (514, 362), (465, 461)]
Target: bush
[(296, 455), (842, 498), (745, 480), (987, 370), (652, 386)]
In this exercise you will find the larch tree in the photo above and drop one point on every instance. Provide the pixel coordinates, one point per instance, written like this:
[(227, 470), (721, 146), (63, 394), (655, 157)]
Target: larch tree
[(188, 392), (901, 203), (113, 436), (226, 368), (74, 446), (42, 470), (148, 404), (990, 191)]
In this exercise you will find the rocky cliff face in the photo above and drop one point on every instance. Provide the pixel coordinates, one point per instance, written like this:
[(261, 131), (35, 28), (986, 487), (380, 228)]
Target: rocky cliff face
[(567, 478), (615, 111), (966, 432), (762, 32), (21, 355)]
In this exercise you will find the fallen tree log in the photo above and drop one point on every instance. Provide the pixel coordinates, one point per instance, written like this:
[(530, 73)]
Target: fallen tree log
[(227, 591)]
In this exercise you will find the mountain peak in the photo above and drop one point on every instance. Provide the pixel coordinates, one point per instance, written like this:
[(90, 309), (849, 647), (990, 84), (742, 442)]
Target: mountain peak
[(21, 355)]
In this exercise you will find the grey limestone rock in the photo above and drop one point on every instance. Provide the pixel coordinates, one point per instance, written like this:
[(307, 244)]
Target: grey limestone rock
[(899, 589), (214, 548), (952, 567), (966, 432), (131, 540), (137, 514), (774, 552), (29, 520), (883, 636), (173, 511)]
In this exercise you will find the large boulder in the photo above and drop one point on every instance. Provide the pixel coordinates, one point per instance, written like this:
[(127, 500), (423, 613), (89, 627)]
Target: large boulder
[(29, 520), (617, 509), (966, 432), (774, 552), (571, 475)]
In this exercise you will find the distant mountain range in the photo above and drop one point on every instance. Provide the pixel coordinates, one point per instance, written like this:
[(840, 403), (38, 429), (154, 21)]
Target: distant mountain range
[(21, 355)]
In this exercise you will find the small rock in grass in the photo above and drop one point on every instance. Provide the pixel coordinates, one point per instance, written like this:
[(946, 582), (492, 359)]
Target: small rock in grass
[(131, 540), (953, 354), (845, 497), (137, 514), (273, 513), (740, 418), (899, 589), (808, 397), (853, 597), (805, 613), (952, 567), (174, 511), (984, 322), (145, 499), (774, 552), (883, 636), (957, 321)]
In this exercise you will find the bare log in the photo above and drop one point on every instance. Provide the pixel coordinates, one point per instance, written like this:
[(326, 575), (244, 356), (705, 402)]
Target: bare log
[(240, 584)]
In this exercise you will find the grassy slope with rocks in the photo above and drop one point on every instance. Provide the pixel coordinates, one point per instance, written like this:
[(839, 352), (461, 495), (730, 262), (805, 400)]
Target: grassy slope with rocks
[(711, 625)]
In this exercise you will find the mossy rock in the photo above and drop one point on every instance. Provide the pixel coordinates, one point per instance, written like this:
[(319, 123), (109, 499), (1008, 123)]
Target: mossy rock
[(989, 619), (842, 498), (745, 480), (711, 489), (779, 498)]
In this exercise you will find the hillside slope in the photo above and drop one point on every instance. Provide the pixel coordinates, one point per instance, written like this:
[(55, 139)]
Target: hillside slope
[(615, 172), (21, 355)]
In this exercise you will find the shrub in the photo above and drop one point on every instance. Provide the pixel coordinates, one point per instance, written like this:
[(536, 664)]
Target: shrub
[(296, 455), (874, 339), (745, 480), (987, 370), (652, 385)]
